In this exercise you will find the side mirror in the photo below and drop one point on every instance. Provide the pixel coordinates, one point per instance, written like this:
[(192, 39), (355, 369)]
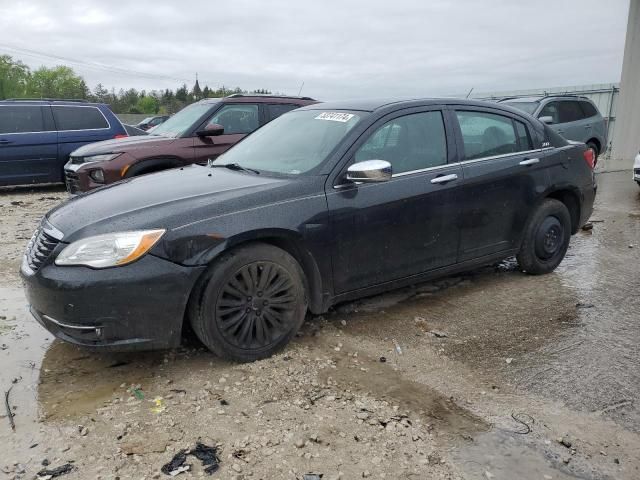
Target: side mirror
[(369, 171), (548, 119), (211, 130)]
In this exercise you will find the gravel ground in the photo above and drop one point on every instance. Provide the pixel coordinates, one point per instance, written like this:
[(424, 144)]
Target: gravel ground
[(489, 375)]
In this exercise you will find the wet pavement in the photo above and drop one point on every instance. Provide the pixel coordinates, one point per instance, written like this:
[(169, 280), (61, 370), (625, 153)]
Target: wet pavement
[(494, 364)]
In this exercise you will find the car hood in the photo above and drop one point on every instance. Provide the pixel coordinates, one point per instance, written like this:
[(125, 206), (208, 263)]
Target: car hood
[(121, 145), (167, 199)]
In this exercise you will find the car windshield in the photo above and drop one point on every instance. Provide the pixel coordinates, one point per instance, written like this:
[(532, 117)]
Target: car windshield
[(182, 121), (294, 143), (148, 119), (527, 107)]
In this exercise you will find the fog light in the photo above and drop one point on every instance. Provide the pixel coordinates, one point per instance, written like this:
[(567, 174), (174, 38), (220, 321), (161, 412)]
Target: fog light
[(97, 176)]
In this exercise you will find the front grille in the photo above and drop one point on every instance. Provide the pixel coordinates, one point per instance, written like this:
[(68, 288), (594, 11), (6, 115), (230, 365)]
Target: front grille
[(39, 248), (72, 181)]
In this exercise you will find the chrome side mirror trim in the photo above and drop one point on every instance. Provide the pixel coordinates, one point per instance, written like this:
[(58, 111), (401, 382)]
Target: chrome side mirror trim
[(370, 171)]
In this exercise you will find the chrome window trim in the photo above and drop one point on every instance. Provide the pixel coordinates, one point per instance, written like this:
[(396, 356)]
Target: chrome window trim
[(59, 131), (421, 170), (463, 162), (502, 155)]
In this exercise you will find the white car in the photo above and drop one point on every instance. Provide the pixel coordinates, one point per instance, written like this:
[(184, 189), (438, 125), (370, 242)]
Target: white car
[(636, 169)]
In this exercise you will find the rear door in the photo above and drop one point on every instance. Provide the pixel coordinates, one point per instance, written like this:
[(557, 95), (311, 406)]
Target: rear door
[(405, 226), (574, 124), (238, 120), (28, 145), (503, 174)]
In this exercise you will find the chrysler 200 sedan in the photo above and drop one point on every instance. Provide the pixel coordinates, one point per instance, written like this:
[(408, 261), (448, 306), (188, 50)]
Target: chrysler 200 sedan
[(324, 204)]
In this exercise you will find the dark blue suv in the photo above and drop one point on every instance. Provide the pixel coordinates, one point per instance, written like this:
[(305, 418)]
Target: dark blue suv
[(37, 136)]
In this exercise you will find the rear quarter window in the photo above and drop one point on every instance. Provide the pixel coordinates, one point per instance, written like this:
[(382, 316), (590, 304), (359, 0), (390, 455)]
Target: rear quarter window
[(274, 111), (21, 119), (588, 109), (79, 118)]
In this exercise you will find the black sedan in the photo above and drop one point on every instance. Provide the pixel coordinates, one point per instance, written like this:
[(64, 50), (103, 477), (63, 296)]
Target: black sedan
[(325, 204)]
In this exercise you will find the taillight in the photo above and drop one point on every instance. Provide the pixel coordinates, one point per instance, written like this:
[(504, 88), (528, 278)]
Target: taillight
[(589, 157), (121, 136)]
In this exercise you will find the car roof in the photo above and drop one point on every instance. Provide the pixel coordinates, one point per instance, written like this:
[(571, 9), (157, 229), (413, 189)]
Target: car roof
[(541, 97), (48, 101), (246, 98), (372, 105)]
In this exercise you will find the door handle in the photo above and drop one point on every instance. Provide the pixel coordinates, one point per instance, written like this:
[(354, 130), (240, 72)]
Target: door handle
[(530, 161), (4, 142), (445, 178)]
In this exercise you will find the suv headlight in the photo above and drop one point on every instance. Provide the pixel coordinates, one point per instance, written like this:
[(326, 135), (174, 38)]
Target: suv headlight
[(109, 250), (101, 158)]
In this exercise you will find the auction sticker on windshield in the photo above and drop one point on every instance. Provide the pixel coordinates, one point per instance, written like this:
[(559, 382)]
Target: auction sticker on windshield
[(335, 116)]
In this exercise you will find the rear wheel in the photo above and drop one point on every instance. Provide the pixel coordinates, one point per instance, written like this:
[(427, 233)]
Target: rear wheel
[(250, 303), (546, 238)]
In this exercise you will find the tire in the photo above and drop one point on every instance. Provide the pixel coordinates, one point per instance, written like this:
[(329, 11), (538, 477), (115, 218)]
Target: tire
[(594, 147), (546, 238), (250, 303)]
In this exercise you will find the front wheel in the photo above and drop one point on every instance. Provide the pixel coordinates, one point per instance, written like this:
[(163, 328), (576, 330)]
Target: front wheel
[(546, 238), (250, 303)]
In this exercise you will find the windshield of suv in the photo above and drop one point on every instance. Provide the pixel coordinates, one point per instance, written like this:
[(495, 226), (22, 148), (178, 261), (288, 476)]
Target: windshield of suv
[(182, 121), (294, 143), (527, 107)]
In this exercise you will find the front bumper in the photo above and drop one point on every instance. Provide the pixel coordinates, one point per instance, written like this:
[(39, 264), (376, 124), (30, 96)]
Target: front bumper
[(140, 306)]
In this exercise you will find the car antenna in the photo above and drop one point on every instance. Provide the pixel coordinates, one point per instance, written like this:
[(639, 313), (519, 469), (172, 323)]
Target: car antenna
[(301, 86), (469, 92)]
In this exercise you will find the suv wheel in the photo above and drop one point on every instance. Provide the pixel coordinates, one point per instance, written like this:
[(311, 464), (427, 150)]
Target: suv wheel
[(546, 238), (250, 303)]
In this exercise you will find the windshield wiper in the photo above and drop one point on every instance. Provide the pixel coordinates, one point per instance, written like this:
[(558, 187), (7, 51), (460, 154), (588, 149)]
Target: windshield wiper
[(234, 166)]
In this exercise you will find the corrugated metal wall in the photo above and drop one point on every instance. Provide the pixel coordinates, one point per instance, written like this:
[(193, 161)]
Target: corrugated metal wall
[(604, 95)]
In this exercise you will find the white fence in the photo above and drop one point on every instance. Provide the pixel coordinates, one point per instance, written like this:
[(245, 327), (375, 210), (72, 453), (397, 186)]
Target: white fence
[(605, 96)]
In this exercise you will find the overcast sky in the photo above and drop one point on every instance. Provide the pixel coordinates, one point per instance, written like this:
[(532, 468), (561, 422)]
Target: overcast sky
[(340, 49)]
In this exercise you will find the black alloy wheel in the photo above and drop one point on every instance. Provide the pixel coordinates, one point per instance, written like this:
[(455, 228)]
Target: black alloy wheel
[(250, 302)]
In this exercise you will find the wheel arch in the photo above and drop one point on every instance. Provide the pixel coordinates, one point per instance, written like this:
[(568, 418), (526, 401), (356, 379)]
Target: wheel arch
[(571, 199), (597, 143), (287, 240), (150, 165)]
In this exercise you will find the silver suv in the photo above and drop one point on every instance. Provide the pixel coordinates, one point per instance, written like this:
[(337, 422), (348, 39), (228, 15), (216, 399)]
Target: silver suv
[(575, 118)]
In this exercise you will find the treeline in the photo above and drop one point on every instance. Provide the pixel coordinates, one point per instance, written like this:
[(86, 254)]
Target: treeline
[(18, 81)]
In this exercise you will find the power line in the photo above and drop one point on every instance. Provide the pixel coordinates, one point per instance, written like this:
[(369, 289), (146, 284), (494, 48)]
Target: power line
[(91, 65)]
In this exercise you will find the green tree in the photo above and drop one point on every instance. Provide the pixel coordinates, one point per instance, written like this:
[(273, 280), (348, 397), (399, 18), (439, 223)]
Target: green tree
[(148, 104), (13, 77), (57, 82)]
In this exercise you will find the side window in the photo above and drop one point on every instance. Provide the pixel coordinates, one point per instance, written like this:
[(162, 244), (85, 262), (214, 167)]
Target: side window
[(486, 134), (524, 140), (78, 118), (274, 111), (412, 142), (588, 109), (241, 118), (21, 119), (570, 111), (551, 110)]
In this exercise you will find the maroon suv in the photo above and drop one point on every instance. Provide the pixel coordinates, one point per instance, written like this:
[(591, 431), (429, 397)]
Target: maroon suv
[(195, 134)]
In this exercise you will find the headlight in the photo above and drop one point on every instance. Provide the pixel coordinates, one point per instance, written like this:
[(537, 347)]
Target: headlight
[(101, 158), (110, 250)]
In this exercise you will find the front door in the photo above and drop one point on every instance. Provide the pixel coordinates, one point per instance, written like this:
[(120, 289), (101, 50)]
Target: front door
[(238, 121), (405, 226), (28, 146)]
